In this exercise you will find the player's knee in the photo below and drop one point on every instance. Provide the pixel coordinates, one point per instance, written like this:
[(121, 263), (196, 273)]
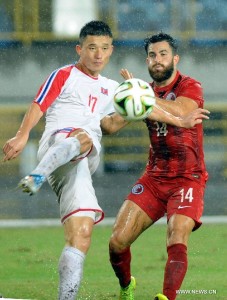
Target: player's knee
[(117, 242), (177, 236), (80, 239), (85, 140), (179, 229), (78, 231)]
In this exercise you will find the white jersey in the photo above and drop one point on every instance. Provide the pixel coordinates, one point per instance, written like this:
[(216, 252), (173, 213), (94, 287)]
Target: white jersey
[(73, 99)]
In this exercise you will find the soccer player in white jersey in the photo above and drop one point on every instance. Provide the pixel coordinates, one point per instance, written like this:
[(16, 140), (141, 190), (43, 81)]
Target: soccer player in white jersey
[(78, 105), (75, 98)]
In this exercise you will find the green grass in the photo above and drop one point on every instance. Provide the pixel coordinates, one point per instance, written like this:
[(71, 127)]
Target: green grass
[(29, 261)]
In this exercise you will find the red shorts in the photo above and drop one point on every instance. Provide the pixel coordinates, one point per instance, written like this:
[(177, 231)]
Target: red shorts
[(158, 196)]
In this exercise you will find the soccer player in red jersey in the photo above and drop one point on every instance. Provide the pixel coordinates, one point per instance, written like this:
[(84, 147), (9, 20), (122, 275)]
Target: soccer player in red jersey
[(175, 176)]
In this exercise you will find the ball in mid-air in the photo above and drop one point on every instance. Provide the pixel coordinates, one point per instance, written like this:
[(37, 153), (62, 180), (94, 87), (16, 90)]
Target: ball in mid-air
[(134, 99)]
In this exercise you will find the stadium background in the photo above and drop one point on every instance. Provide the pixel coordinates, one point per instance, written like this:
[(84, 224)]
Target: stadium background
[(37, 36)]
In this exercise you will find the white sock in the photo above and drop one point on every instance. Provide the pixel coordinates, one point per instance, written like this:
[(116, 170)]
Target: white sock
[(70, 271), (58, 155)]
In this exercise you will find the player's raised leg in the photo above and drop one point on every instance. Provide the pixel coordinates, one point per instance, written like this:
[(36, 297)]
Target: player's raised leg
[(59, 153)]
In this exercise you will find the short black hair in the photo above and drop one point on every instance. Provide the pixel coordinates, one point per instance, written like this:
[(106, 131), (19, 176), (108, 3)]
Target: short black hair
[(161, 36), (99, 28)]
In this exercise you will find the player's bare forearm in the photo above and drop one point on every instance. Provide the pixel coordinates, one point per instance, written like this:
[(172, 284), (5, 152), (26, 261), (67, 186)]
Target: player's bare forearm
[(188, 121), (14, 146), (31, 118), (112, 123), (180, 107)]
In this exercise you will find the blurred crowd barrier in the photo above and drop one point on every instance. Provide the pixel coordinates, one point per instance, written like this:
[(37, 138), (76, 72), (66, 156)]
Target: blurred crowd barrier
[(29, 21)]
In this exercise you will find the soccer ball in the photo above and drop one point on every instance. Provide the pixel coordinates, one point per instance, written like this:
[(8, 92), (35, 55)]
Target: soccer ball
[(134, 99)]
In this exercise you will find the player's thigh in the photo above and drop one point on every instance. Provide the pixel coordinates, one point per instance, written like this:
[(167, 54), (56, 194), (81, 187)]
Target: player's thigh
[(130, 222), (146, 194), (187, 200), (76, 195)]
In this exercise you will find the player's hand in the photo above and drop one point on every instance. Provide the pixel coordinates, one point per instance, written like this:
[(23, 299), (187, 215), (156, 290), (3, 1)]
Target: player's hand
[(195, 117), (14, 147), (126, 74)]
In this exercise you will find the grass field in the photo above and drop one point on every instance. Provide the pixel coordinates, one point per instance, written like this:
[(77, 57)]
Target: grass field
[(29, 259)]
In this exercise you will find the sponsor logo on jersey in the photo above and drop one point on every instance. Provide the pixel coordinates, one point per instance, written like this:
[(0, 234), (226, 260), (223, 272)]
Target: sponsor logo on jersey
[(137, 189), (183, 206), (195, 176)]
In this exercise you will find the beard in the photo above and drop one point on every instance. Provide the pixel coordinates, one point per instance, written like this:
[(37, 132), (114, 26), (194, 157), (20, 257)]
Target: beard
[(160, 76)]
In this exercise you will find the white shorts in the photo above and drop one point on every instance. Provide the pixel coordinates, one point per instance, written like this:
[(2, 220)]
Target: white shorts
[(72, 183)]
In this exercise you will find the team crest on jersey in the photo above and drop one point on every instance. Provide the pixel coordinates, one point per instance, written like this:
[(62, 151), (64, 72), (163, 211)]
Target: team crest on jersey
[(138, 189), (171, 96), (104, 91)]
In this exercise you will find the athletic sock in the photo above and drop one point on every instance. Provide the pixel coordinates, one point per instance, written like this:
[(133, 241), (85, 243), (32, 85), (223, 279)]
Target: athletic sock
[(175, 270), (121, 265), (58, 155), (70, 271)]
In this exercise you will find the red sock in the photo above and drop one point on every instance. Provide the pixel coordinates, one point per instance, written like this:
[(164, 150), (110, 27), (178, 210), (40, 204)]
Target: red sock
[(175, 270), (121, 265)]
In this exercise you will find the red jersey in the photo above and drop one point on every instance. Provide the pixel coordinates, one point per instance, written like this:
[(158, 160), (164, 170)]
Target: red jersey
[(176, 151)]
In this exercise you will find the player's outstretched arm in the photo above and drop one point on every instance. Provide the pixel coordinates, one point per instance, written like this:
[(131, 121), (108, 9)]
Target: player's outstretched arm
[(112, 123), (182, 113), (181, 107), (190, 120), (14, 146)]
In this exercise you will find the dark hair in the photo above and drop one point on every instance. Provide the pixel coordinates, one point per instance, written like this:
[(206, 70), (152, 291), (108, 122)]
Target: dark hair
[(94, 28), (161, 36)]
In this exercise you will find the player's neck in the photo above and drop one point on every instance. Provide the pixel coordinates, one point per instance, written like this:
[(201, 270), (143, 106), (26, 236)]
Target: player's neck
[(85, 70)]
